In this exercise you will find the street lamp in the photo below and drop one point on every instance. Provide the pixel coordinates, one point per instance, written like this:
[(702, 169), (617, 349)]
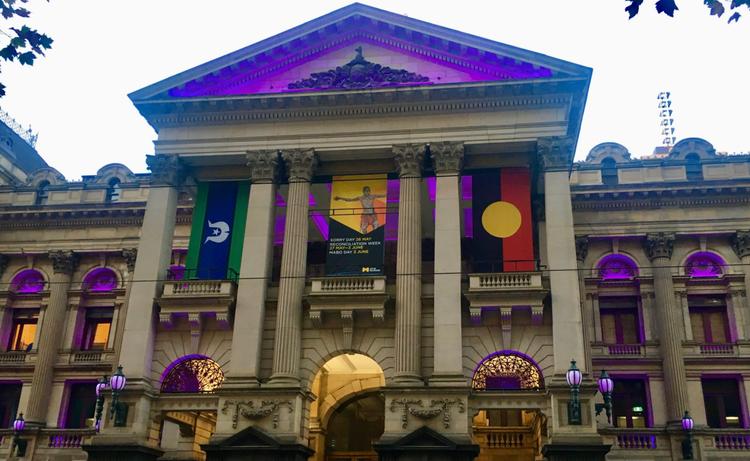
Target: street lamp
[(119, 410), (20, 444), (101, 387), (606, 386), (687, 444), (574, 378)]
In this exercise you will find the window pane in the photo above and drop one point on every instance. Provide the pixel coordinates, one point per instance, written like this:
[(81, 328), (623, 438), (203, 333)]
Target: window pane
[(718, 327), (101, 334), (23, 335), (696, 322), (609, 332), (629, 329), (81, 405)]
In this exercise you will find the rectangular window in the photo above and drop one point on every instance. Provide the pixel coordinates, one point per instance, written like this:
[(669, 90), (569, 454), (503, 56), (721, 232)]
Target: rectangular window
[(10, 394), (619, 320), (23, 330), (708, 319), (96, 328), (81, 405), (723, 404), (630, 404)]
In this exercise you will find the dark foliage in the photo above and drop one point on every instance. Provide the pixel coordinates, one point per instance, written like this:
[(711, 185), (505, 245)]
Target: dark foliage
[(26, 44), (716, 7)]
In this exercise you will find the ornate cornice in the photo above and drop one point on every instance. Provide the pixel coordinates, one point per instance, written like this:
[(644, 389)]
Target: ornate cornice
[(130, 255), (659, 199), (447, 156), (555, 153), (263, 165), (300, 164), (64, 261), (409, 159), (741, 243), (582, 247), (166, 169), (659, 245)]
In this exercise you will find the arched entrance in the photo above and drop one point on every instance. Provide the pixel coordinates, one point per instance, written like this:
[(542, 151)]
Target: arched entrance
[(349, 411), (508, 433)]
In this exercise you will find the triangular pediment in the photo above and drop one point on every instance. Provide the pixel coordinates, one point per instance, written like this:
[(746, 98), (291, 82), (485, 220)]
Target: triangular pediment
[(354, 48), (250, 437), (424, 437)]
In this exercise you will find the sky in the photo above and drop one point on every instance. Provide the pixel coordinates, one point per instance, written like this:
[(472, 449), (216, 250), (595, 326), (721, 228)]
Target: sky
[(76, 97)]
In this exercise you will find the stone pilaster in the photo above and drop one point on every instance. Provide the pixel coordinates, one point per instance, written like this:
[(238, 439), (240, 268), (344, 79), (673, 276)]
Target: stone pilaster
[(555, 155), (64, 263), (255, 269), (741, 246), (659, 249), (130, 255), (447, 158), (408, 332), (582, 250), (300, 164), (4, 260)]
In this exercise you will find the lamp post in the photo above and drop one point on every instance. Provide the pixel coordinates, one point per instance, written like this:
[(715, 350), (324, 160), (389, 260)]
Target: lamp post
[(687, 443), (574, 378), (101, 387), (118, 410), (606, 386), (20, 444)]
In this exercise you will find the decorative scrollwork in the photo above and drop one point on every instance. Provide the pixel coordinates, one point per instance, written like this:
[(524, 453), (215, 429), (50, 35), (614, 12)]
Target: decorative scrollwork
[(416, 408), (509, 365), (193, 374), (254, 410)]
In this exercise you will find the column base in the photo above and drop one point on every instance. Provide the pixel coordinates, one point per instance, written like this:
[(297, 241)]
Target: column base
[(240, 383), (447, 381), (575, 452), (126, 452), (407, 381), (283, 381)]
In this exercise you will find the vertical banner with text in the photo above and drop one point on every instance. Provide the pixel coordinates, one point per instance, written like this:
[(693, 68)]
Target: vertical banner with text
[(357, 227)]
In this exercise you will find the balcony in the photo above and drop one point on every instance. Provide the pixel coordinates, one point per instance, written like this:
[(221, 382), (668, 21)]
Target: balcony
[(17, 359), (692, 349), (197, 298), (648, 443), (505, 290), (506, 442), (87, 359)]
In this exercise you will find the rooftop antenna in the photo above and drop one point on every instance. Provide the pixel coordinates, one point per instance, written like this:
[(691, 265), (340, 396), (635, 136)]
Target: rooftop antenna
[(666, 122)]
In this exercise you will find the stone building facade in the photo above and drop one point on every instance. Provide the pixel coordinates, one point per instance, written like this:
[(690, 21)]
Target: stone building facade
[(500, 261)]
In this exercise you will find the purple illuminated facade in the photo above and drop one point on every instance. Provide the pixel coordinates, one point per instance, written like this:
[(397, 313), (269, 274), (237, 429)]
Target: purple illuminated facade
[(192, 374), (704, 264), (101, 279), (27, 281), (617, 267)]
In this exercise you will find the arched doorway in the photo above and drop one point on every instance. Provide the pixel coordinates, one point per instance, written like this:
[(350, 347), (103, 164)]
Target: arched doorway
[(349, 411)]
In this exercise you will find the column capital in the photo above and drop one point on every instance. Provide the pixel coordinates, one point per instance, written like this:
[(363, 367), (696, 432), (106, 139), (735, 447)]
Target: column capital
[(166, 169), (447, 156), (741, 243), (409, 158), (582, 247), (659, 245), (130, 255), (63, 261), (263, 165), (300, 164), (555, 152)]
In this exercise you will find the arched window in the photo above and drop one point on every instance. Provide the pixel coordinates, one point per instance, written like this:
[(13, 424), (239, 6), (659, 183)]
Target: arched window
[(192, 374), (609, 171), (42, 193), (693, 167), (101, 279), (704, 264), (27, 281), (507, 370), (113, 190), (617, 266)]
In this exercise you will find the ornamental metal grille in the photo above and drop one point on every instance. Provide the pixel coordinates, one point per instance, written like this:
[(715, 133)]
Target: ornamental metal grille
[(505, 367), (194, 375)]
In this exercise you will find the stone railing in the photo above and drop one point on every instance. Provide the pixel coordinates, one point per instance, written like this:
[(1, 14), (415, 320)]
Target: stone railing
[(197, 287), (347, 285), (13, 357), (505, 281), (694, 349), (636, 441), (725, 440), (717, 349), (732, 442), (351, 456), (87, 356), (656, 440), (624, 349), (504, 437), (66, 438), (195, 299)]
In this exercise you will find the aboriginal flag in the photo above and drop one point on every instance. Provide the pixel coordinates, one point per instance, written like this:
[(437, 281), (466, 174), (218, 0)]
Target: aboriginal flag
[(501, 218)]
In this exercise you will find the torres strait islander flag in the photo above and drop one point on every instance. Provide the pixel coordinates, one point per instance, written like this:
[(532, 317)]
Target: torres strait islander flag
[(501, 217), (216, 236)]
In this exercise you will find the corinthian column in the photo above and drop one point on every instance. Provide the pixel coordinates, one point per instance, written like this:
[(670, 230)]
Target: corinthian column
[(300, 164), (257, 255), (556, 155), (447, 158), (408, 333), (64, 263), (582, 250), (659, 250), (741, 246)]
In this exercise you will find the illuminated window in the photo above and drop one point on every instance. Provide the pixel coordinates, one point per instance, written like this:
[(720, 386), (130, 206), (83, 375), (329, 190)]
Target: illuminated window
[(23, 331), (506, 370), (96, 328), (27, 281), (619, 318), (723, 403), (101, 279), (617, 267), (630, 404), (708, 319), (192, 374), (704, 264)]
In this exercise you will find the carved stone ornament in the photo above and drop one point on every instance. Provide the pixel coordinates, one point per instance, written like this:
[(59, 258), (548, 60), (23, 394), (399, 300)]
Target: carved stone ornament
[(741, 243), (263, 165), (582, 247), (409, 159), (63, 262), (447, 156), (659, 245), (166, 169), (555, 153), (130, 255), (357, 74), (256, 410), (300, 164), (4, 260), (415, 408)]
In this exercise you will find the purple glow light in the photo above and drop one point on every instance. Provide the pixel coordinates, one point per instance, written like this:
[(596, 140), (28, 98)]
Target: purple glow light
[(617, 266), (511, 352), (467, 183), (573, 376), (321, 223), (705, 264), (19, 424), (100, 279), (391, 219), (27, 281)]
